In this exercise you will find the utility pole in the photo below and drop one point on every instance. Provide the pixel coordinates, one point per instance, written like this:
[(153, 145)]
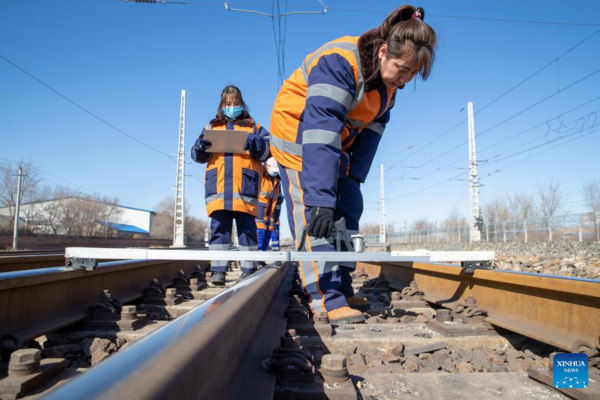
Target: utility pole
[(179, 223), (382, 207), (475, 212), (17, 210)]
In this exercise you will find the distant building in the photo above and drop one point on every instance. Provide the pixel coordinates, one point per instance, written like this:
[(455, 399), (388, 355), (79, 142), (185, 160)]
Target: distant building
[(82, 217)]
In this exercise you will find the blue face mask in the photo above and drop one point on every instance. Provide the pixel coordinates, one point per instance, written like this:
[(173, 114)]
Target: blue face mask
[(232, 112)]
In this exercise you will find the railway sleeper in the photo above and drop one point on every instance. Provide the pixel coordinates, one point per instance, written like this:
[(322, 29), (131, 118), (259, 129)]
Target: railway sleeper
[(392, 357)]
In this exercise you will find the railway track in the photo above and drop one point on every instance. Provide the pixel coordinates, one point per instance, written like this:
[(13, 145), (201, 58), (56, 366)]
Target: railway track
[(23, 260), (433, 331)]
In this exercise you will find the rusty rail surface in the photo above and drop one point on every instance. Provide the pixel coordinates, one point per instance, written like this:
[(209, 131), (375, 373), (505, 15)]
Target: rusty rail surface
[(199, 355), (561, 311), (35, 302), (10, 262)]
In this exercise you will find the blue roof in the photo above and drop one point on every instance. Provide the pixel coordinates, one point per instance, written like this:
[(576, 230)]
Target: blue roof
[(125, 228)]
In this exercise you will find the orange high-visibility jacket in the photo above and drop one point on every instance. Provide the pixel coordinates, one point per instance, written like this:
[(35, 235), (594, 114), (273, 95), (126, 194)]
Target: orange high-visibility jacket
[(268, 201), (325, 124), (232, 181)]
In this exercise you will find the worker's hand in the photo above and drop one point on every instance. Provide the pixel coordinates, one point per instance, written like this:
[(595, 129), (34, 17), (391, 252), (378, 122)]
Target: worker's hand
[(204, 144), (252, 143), (321, 222)]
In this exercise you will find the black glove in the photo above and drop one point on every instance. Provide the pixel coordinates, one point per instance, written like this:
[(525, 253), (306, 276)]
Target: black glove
[(204, 144), (321, 222), (251, 143)]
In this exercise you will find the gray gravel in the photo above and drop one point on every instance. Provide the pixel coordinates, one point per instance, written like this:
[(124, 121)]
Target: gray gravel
[(572, 259)]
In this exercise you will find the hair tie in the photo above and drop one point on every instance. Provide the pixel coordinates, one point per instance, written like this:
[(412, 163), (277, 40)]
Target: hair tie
[(418, 15)]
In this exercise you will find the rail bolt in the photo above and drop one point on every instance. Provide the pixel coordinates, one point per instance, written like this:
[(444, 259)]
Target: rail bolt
[(194, 281), (443, 315), (321, 318), (470, 301), (24, 362), (129, 312), (171, 293), (333, 368), (396, 296)]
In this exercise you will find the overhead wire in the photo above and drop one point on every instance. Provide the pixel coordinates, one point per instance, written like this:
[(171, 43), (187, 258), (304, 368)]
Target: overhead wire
[(85, 109), (403, 177), (522, 21)]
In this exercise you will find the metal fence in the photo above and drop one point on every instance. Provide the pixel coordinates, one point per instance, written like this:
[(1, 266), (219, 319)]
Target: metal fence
[(570, 227)]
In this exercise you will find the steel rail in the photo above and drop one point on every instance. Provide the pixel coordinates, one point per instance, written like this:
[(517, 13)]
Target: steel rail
[(20, 262), (198, 355), (561, 311), (35, 302)]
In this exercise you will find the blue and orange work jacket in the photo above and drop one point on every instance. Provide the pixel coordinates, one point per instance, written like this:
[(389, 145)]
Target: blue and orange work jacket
[(325, 124), (232, 181), (268, 205)]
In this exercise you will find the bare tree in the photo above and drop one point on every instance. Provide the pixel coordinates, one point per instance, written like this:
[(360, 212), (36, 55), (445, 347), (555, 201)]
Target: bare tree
[(31, 190), (453, 223), (591, 196), (522, 206), (162, 222), (91, 215), (551, 196), (496, 213)]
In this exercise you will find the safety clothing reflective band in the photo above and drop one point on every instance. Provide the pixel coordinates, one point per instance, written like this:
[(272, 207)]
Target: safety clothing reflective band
[(360, 85), (354, 123), (265, 153), (265, 194), (376, 127), (285, 146), (219, 247), (236, 196), (331, 92), (321, 136)]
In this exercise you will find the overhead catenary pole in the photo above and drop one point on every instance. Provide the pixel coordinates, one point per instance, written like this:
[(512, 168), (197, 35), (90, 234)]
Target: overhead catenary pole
[(179, 218), (475, 212), (17, 210), (382, 207)]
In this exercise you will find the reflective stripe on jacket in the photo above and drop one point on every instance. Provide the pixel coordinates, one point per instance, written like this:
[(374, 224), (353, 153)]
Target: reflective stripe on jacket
[(324, 122), (267, 202), (232, 181)]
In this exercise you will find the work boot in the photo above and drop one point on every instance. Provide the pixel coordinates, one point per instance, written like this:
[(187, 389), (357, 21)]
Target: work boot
[(358, 303), (345, 315), (218, 278)]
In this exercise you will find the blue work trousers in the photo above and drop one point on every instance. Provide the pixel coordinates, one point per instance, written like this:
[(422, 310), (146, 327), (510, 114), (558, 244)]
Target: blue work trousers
[(221, 226), (327, 283)]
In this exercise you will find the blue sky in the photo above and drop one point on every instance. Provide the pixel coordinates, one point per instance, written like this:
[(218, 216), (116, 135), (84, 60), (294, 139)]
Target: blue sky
[(127, 63)]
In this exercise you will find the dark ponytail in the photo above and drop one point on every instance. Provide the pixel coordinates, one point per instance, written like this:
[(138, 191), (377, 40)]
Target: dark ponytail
[(404, 32)]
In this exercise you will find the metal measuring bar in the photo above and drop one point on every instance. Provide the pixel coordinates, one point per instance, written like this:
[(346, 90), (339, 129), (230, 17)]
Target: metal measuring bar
[(96, 253)]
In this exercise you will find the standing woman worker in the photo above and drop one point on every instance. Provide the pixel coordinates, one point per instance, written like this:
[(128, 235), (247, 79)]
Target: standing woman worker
[(327, 122), (232, 181)]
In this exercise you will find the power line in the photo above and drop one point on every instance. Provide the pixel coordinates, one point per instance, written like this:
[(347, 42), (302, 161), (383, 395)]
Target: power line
[(538, 71), (85, 109), (538, 103), (454, 178), (495, 126)]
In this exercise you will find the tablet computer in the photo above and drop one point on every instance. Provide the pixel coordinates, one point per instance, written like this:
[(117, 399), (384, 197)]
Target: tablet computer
[(226, 141)]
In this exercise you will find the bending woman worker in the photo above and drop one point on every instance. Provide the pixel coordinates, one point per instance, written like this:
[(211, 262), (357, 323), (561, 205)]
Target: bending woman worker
[(327, 122), (232, 182)]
